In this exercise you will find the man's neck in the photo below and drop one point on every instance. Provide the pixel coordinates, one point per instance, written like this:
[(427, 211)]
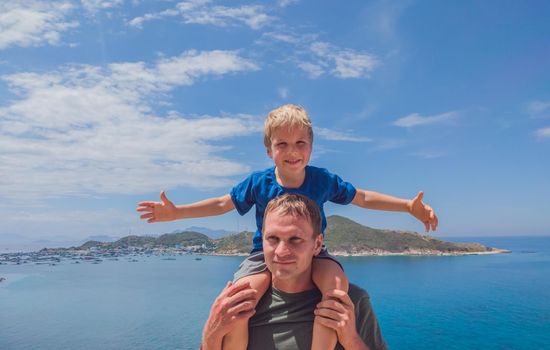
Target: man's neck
[(290, 180), (295, 285)]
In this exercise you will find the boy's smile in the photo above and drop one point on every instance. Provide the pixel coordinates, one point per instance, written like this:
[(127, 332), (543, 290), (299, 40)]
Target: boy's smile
[(290, 150)]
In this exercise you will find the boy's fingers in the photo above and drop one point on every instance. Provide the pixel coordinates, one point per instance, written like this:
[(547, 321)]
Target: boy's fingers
[(435, 222), (146, 204), (164, 198), (146, 216), (419, 196), (144, 209)]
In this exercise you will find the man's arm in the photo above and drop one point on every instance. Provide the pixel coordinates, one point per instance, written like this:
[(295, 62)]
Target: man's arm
[(167, 211), (415, 207), (235, 303)]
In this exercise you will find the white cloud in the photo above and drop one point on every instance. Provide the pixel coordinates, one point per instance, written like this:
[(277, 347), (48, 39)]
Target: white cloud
[(416, 119), (86, 130), (313, 70), (96, 5), (543, 133), (334, 135), (345, 63), (317, 58), (202, 12), (350, 64), (29, 23)]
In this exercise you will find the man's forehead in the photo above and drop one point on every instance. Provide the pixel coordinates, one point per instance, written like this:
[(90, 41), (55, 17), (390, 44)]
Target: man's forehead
[(278, 221)]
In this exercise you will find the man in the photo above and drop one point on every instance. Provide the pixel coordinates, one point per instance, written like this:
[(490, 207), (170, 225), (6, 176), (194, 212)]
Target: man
[(284, 316)]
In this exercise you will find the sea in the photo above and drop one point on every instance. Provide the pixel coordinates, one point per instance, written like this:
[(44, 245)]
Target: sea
[(499, 301)]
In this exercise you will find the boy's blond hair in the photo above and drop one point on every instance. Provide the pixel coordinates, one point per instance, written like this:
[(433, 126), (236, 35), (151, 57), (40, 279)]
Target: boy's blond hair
[(295, 205), (289, 116)]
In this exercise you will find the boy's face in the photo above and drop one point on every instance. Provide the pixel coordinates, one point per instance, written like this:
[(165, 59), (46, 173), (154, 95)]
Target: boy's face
[(290, 149)]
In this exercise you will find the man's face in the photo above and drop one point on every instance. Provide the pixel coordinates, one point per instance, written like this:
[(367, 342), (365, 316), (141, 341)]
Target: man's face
[(290, 149), (289, 247)]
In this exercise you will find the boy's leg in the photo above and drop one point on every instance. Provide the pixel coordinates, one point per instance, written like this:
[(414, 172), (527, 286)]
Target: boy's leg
[(238, 338), (327, 275)]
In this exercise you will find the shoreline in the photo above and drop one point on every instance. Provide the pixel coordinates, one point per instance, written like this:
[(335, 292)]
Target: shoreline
[(389, 253)]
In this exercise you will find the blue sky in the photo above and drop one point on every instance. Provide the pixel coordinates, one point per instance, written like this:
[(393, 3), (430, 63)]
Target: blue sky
[(105, 103)]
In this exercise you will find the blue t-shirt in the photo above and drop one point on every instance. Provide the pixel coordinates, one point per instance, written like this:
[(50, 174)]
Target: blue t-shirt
[(260, 187)]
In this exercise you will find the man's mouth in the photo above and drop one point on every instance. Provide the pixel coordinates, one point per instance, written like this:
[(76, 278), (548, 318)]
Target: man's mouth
[(284, 262)]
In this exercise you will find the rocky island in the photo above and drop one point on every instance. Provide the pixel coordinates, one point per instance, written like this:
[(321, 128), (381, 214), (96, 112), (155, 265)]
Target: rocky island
[(343, 236)]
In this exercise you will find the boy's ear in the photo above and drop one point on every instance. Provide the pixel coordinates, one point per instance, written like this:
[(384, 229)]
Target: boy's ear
[(268, 150)]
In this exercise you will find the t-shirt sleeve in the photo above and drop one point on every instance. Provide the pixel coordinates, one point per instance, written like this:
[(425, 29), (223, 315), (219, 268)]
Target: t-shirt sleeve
[(242, 195), (367, 325), (342, 192)]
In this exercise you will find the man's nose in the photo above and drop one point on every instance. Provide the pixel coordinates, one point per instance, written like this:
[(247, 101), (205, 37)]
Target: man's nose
[(282, 249)]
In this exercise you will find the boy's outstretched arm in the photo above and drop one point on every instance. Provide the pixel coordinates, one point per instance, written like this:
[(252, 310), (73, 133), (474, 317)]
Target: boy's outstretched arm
[(167, 211), (415, 206)]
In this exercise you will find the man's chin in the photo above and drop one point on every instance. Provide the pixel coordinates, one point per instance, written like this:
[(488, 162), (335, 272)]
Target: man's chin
[(282, 273)]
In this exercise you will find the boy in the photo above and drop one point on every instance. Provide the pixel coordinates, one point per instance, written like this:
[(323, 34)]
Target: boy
[(288, 138)]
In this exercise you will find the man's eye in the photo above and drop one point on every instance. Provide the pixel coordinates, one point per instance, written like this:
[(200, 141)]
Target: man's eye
[(272, 239), (281, 144)]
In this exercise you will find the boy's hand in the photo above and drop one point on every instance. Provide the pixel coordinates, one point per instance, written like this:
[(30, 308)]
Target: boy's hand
[(158, 211), (423, 212)]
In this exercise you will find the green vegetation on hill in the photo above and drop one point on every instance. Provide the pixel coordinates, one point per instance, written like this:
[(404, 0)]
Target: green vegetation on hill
[(168, 240), (240, 243), (345, 235), (342, 236)]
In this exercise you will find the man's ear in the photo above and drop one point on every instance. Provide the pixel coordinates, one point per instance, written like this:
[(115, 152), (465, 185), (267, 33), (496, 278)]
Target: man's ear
[(318, 244), (269, 154)]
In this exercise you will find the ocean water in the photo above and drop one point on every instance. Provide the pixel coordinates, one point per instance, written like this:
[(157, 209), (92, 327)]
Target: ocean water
[(469, 302)]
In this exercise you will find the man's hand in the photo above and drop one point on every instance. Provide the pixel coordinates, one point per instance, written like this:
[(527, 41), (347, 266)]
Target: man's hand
[(158, 211), (338, 313), (423, 212), (235, 303)]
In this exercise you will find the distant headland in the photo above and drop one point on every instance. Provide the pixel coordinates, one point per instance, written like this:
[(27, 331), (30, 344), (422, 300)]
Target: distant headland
[(343, 236)]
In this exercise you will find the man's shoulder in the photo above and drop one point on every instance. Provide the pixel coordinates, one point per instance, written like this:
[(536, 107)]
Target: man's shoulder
[(357, 293)]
